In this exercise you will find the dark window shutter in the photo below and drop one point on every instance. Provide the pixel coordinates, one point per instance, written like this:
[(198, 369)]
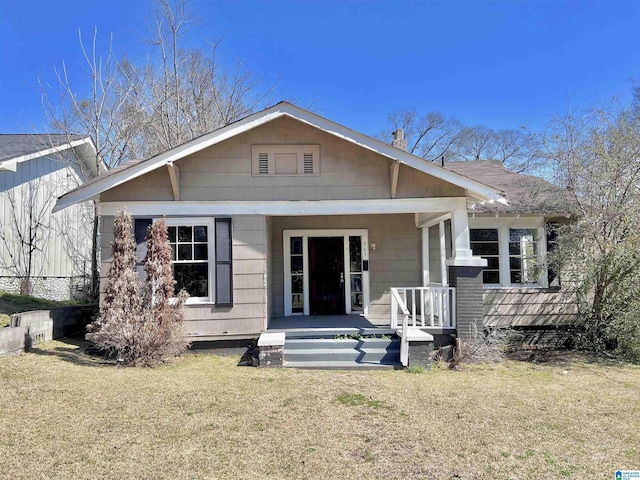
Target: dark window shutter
[(140, 227), (224, 270)]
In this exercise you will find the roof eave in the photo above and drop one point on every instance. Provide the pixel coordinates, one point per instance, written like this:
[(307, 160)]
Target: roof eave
[(84, 192)]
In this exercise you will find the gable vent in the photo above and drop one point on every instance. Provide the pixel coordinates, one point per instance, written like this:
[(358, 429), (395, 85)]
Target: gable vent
[(308, 163), (263, 164)]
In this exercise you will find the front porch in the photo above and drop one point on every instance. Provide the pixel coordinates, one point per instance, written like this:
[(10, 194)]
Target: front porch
[(421, 319)]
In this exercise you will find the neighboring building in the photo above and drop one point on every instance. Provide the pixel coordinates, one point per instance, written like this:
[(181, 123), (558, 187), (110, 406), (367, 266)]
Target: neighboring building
[(288, 219), (44, 253)]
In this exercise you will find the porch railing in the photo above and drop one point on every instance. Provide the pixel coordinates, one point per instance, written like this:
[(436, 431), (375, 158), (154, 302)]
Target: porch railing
[(421, 307), (433, 306)]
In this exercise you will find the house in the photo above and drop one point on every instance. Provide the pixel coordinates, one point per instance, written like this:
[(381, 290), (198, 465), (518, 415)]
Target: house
[(287, 221), (43, 254), (520, 290)]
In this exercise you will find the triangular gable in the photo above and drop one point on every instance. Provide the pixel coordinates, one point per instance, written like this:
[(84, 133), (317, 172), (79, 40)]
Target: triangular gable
[(45, 146), (127, 172)]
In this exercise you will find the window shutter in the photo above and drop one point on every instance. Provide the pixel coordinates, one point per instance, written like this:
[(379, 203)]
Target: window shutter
[(308, 163), (263, 164), (224, 270), (140, 227)]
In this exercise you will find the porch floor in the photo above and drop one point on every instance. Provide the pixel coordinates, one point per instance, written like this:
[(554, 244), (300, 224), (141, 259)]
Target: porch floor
[(312, 322)]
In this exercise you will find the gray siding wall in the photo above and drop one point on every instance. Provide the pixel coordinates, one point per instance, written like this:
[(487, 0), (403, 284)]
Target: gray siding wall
[(396, 262), (65, 237), (528, 307), (223, 172), (249, 311)]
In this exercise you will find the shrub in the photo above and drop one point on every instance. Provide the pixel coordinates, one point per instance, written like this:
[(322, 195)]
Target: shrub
[(489, 346), (139, 322)]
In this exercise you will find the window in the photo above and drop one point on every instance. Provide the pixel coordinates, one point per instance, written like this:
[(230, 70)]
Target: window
[(514, 255), (485, 244), (523, 255), (201, 250), (288, 160), (190, 258)]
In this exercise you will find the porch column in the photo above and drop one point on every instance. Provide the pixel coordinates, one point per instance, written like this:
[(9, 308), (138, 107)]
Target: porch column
[(425, 256), (460, 234), (465, 273)]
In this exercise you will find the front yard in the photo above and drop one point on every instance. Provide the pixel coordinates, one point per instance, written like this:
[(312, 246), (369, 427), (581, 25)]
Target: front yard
[(68, 415)]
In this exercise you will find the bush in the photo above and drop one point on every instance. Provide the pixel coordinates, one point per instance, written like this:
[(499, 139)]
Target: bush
[(490, 346), (139, 323)]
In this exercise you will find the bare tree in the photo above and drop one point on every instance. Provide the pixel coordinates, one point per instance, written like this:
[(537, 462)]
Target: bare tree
[(134, 109), (179, 94), (430, 136), (596, 156), (24, 236), (518, 150)]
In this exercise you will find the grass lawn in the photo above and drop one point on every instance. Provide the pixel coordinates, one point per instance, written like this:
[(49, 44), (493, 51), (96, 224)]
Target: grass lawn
[(10, 304), (68, 415)]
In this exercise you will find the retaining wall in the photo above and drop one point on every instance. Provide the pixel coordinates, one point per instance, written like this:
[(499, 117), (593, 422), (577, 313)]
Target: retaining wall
[(30, 328)]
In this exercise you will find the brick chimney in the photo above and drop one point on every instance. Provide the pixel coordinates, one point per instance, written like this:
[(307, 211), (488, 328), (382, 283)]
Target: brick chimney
[(398, 140)]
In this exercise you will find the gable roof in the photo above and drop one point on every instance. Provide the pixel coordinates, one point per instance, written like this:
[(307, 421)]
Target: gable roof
[(527, 194), (18, 148), (130, 170)]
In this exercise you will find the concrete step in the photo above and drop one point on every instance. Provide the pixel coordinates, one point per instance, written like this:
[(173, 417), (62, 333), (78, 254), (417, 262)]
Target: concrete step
[(337, 365), (340, 343), (370, 355), (342, 353), (333, 332)]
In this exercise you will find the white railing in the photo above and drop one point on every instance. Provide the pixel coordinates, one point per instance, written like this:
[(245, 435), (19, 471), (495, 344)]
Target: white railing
[(433, 306), (397, 303), (421, 307)]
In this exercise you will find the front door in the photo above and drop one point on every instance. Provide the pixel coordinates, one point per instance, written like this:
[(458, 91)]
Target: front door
[(326, 272), (326, 276)]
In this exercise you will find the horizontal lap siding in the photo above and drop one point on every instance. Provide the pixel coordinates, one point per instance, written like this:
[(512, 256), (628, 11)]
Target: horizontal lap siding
[(64, 238), (223, 172), (249, 311), (396, 262), (528, 307)]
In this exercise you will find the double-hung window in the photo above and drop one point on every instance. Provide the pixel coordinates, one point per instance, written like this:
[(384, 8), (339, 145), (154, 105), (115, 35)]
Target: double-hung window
[(190, 244), (201, 253), (514, 255)]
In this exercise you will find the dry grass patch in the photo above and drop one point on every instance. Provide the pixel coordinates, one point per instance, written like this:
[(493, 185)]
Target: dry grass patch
[(69, 415)]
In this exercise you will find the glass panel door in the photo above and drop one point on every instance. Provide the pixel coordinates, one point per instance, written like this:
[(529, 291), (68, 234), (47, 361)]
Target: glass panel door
[(355, 272), (297, 272)]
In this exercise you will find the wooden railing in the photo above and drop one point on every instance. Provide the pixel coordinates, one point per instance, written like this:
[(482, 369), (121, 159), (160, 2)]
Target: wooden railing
[(397, 303), (421, 307), (433, 306)]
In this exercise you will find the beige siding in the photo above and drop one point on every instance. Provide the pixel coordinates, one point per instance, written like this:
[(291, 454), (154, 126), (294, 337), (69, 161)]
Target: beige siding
[(396, 262), (223, 172), (527, 307), (249, 311), (154, 185), (64, 240)]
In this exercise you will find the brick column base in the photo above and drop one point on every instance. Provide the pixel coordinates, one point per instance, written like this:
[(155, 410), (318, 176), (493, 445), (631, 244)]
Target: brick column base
[(420, 354)]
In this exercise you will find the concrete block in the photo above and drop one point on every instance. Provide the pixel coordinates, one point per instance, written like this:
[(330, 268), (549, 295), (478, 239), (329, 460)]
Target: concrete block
[(420, 354), (271, 349), (12, 340)]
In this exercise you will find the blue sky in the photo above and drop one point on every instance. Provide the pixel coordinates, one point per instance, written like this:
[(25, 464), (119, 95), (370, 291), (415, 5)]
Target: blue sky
[(502, 64)]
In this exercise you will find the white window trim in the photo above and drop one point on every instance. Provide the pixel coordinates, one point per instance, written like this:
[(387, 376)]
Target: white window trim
[(503, 224), (305, 234), (211, 251)]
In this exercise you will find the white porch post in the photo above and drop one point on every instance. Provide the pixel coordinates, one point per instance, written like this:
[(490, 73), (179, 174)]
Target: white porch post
[(443, 254), (425, 256), (460, 234)]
